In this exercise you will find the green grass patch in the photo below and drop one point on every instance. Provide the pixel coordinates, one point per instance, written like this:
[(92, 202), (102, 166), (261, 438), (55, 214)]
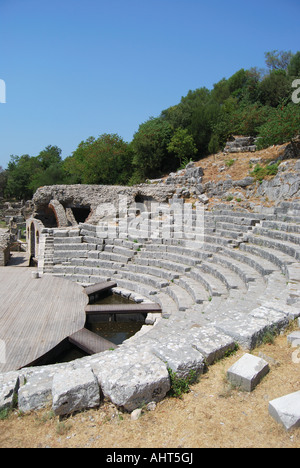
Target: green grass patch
[(260, 172)]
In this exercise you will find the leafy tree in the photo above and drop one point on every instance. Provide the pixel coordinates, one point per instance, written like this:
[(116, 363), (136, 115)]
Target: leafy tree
[(182, 145), (105, 160), (49, 169), (278, 60), (3, 181), (294, 66), (19, 174), (282, 125), (275, 88), (50, 156), (214, 145), (150, 146)]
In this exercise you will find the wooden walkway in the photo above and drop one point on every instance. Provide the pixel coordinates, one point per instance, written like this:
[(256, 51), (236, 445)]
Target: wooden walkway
[(36, 314), (98, 309), (90, 342)]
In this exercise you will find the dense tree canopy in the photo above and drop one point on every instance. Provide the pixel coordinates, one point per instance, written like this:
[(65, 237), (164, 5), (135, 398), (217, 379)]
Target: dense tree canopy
[(105, 160), (251, 102)]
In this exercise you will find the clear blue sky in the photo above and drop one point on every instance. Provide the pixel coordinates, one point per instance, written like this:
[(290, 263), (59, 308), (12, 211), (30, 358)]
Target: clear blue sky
[(80, 68)]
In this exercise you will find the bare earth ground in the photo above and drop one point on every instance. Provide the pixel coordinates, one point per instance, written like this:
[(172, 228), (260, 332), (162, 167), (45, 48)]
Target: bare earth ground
[(212, 415)]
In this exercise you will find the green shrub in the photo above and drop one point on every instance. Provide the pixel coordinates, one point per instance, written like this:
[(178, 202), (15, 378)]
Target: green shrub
[(282, 125), (179, 386), (260, 172)]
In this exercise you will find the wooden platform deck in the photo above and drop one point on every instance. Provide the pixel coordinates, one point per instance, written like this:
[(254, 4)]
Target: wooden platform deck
[(36, 314), (99, 288), (90, 343), (99, 309)]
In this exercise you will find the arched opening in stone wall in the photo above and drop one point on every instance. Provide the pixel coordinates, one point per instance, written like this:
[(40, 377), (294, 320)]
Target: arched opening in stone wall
[(47, 216), (82, 213), (143, 203)]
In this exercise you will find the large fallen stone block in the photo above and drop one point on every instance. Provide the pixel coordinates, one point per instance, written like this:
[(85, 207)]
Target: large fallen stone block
[(286, 410), (74, 390), (130, 377), (247, 372), (294, 338)]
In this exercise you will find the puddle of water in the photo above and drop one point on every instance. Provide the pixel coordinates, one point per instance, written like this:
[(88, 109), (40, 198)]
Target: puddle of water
[(116, 332), (120, 329)]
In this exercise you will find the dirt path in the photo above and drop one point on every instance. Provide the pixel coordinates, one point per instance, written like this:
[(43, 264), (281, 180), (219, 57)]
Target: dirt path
[(211, 415)]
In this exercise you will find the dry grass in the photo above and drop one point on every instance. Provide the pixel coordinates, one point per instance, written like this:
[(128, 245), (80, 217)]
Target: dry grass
[(212, 415)]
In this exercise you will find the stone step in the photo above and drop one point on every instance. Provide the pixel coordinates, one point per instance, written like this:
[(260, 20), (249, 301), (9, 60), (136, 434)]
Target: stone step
[(286, 247), (67, 240), (285, 237), (97, 263), (149, 280), (163, 263), (281, 226), (114, 257), (235, 220), (213, 285), (262, 266), (246, 273), (220, 226), (195, 289), (180, 296), (228, 278), (153, 271), (83, 279), (66, 255)]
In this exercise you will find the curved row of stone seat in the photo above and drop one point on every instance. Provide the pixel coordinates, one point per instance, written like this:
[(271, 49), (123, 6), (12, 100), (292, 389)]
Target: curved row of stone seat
[(213, 294)]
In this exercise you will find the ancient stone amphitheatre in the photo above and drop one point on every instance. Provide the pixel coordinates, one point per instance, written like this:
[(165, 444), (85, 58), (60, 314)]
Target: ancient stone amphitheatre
[(214, 251)]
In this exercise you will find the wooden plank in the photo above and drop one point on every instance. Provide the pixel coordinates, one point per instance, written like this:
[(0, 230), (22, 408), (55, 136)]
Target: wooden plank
[(96, 309), (100, 287), (36, 314), (90, 342)]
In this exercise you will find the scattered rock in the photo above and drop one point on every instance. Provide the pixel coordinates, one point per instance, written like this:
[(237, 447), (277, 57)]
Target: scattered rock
[(151, 406), (136, 414)]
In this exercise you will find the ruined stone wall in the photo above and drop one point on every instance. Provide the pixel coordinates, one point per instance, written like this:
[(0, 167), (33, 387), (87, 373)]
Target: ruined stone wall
[(4, 247), (91, 197)]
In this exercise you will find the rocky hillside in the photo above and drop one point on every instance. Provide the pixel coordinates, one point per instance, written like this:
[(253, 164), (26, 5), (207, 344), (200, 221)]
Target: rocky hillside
[(241, 178)]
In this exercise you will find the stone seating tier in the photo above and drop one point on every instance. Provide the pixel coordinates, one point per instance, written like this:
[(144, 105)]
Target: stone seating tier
[(229, 286)]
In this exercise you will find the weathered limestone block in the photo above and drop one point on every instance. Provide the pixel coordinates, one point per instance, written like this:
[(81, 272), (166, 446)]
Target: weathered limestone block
[(294, 338), (286, 410), (74, 390), (36, 393), (184, 361), (247, 372), (211, 343), (130, 377), (247, 331), (9, 384)]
